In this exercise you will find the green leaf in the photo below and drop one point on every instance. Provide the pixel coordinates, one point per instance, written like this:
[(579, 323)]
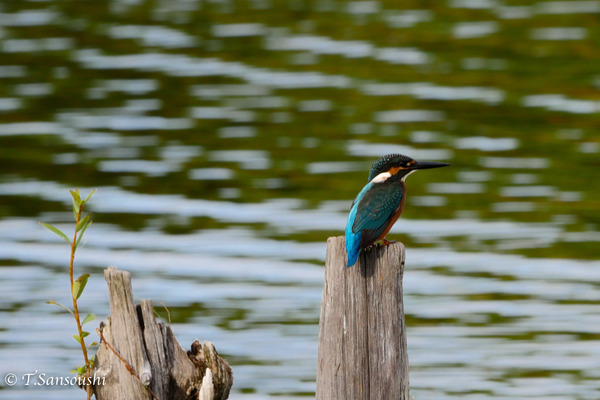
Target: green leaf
[(76, 196), (81, 233), (79, 285), (89, 318), (73, 371), (56, 230), (89, 196), (82, 223), (93, 344), (60, 305), (75, 209), (84, 334), (76, 337)]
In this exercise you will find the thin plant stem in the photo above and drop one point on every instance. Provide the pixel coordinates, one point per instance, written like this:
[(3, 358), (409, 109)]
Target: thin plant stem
[(88, 388), (78, 284)]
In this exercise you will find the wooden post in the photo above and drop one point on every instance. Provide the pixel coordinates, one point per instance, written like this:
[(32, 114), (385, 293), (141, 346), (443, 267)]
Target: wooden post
[(164, 370), (362, 333)]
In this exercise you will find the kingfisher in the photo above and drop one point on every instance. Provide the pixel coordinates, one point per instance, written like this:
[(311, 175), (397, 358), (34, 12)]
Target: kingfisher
[(381, 202)]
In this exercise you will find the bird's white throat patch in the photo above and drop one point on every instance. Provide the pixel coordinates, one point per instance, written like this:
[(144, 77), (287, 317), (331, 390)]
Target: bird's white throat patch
[(410, 172), (382, 177)]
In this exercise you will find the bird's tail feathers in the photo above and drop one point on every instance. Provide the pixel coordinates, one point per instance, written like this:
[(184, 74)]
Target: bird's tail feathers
[(352, 248)]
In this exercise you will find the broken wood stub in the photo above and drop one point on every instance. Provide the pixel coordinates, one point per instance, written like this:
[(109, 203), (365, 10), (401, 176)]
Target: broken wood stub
[(165, 370)]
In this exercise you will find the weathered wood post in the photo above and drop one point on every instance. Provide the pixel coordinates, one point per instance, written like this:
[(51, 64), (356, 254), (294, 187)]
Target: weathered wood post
[(133, 339), (362, 333)]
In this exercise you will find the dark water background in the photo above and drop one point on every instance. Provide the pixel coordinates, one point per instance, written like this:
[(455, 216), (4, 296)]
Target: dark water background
[(227, 140)]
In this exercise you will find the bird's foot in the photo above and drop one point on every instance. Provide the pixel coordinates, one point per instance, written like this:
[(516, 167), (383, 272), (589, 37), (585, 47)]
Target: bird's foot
[(385, 242), (380, 243)]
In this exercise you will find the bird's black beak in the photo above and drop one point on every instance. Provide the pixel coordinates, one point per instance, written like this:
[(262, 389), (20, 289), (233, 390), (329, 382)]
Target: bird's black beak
[(428, 165)]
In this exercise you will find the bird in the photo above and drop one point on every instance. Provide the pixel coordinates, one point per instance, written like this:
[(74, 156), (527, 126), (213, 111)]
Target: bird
[(380, 202)]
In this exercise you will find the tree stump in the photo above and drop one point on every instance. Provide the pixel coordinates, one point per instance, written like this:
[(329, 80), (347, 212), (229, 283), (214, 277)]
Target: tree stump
[(362, 333), (165, 370)]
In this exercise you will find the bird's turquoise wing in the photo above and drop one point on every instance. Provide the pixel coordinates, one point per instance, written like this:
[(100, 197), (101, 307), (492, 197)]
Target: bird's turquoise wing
[(375, 209)]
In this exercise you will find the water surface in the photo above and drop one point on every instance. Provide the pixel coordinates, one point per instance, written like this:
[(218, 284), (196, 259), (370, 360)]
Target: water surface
[(227, 141)]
